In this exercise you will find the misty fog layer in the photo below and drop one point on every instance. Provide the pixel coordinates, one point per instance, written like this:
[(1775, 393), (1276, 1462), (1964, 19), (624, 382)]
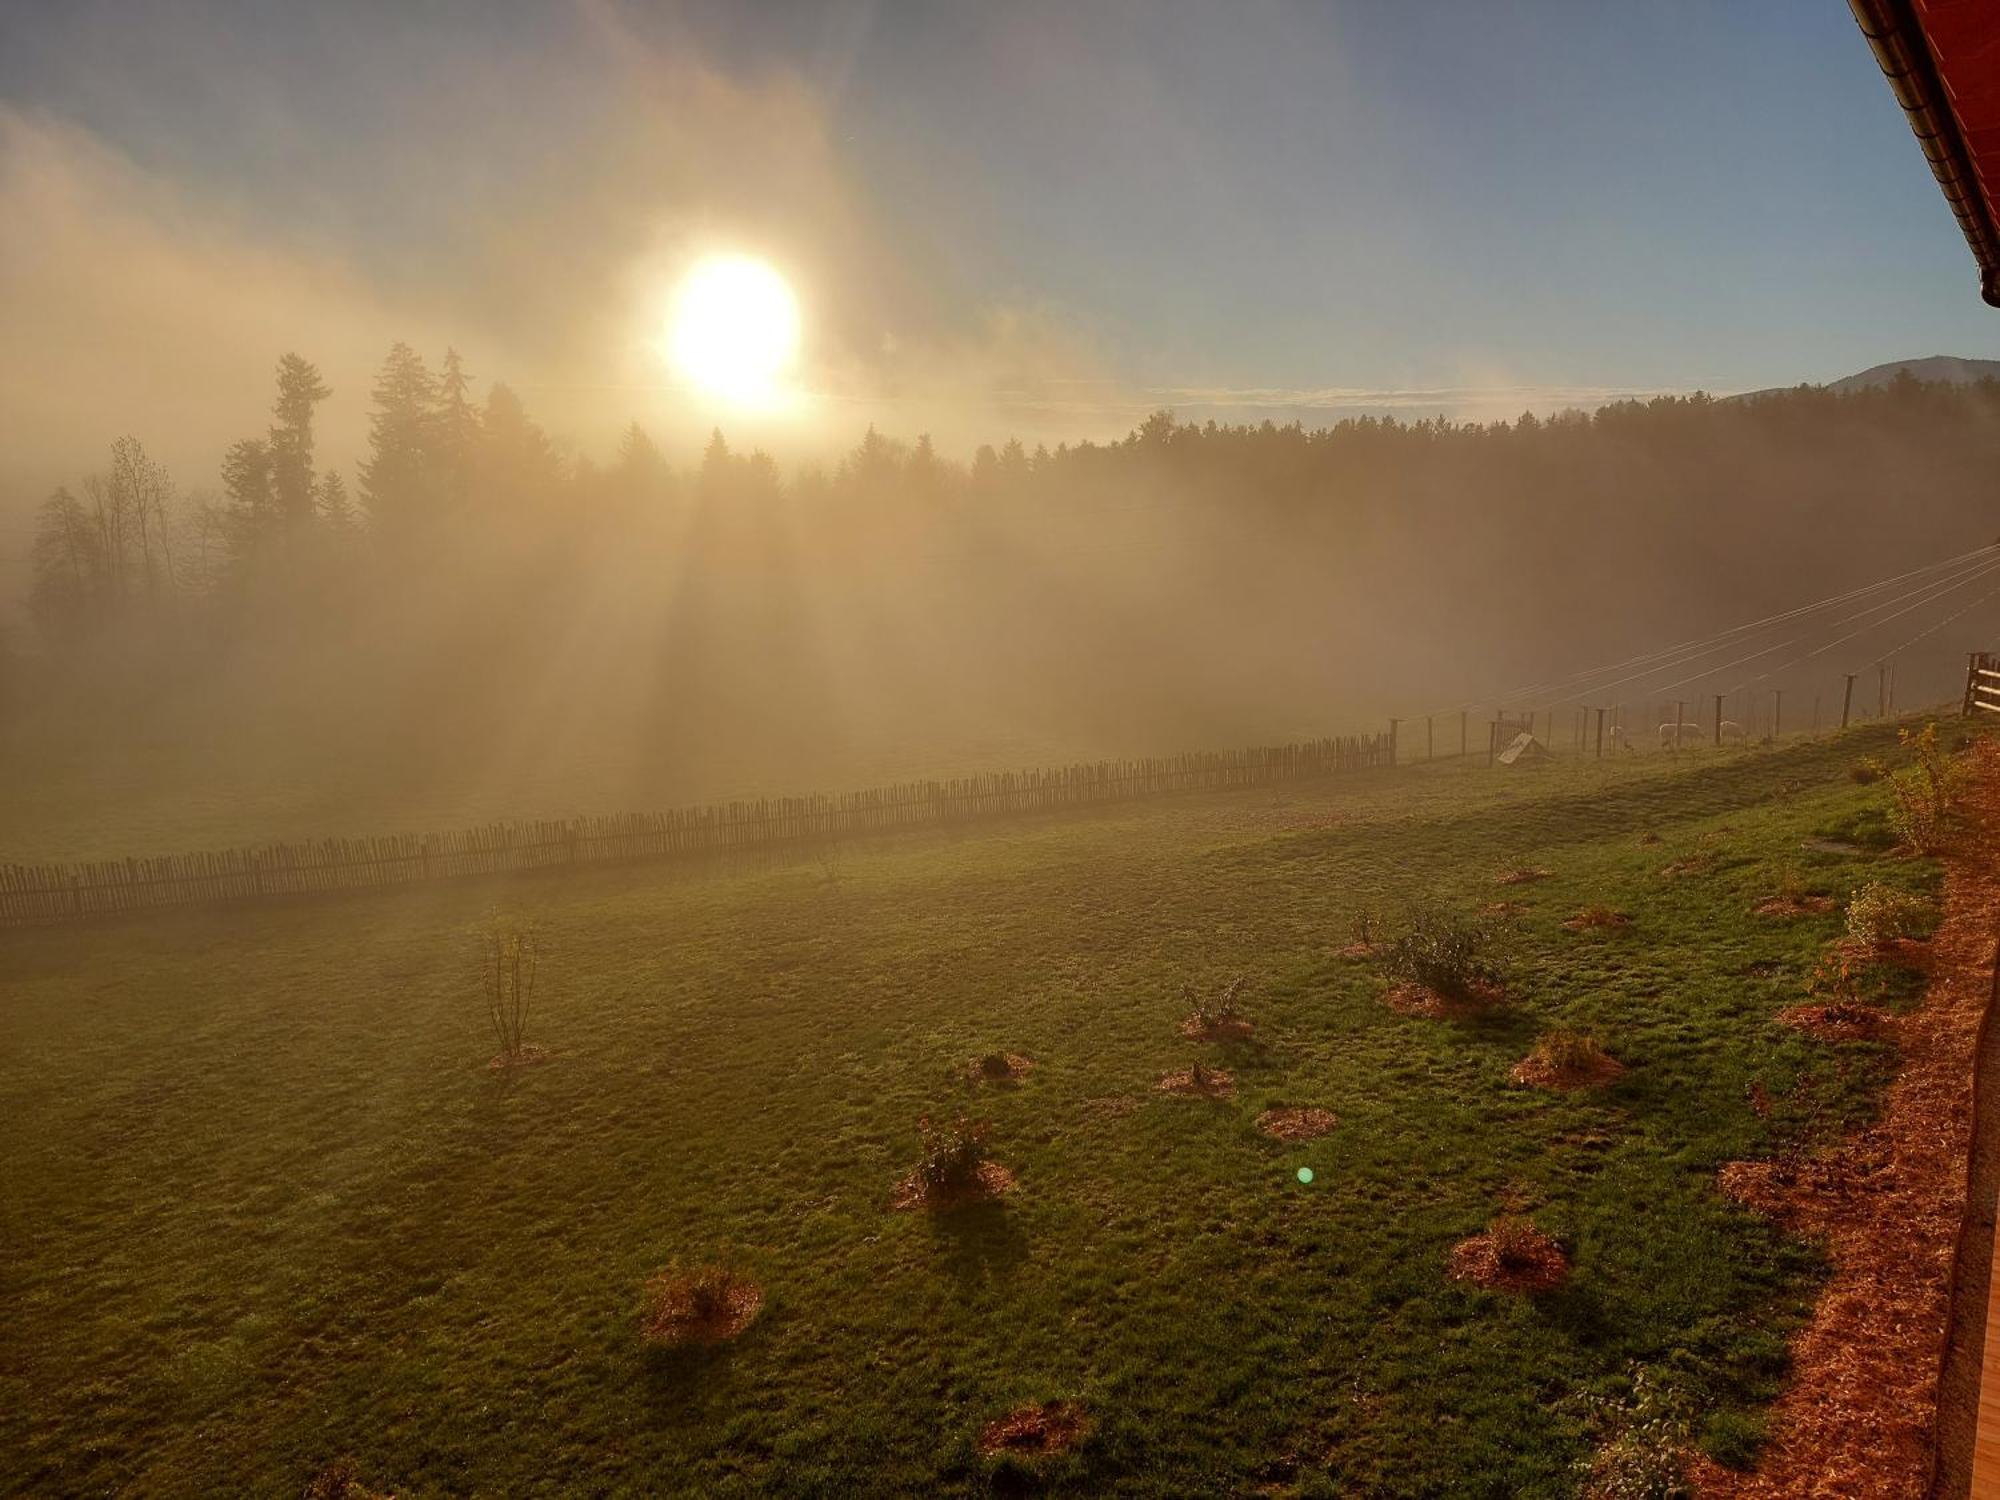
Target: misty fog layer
[(478, 629)]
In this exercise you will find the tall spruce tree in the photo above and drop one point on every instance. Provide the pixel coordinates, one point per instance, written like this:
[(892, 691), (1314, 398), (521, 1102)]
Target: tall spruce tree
[(397, 476)]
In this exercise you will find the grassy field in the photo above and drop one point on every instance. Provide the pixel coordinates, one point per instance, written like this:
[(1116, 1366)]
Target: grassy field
[(263, 1203)]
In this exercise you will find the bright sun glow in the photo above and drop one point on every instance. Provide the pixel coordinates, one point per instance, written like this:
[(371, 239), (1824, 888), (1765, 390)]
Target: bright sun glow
[(734, 331)]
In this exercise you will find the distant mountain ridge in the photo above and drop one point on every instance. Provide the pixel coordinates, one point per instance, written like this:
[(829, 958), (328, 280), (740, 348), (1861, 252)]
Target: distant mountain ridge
[(1945, 367), (1951, 369)]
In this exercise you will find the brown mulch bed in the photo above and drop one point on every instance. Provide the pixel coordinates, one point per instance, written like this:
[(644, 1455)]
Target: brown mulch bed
[(1017, 1068), (1838, 1022), (1522, 875), (1361, 950), (673, 1320), (527, 1057), (1296, 1123), (1859, 1416), (1216, 1083), (1649, 838), (1540, 1073), (1538, 1264), (1410, 999), (1035, 1430), (1504, 909), (1794, 906), (989, 1181), (1233, 1029), (1597, 916)]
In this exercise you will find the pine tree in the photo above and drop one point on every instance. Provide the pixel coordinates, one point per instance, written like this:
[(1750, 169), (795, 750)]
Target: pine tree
[(455, 433), (396, 477), (300, 389), (252, 508), (330, 502)]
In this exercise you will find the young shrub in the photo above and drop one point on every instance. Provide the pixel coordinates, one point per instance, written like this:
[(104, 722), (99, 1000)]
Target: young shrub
[(1867, 770), (1445, 953), (704, 1305), (1879, 914), (512, 955), (1921, 794), (1365, 924), (1644, 1444), (995, 1065), (1569, 1051), (1218, 1019), (951, 1156)]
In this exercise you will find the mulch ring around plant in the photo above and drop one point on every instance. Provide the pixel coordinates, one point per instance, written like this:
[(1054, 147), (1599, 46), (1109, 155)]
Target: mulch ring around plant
[(1410, 999), (1522, 875), (1228, 1029), (989, 1181), (1504, 909), (1794, 906), (1534, 1263), (1296, 1122), (1597, 916), (527, 1057), (1361, 950), (1212, 1083), (1539, 1073), (675, 1318), (1035, 1431), (1840, 1021), (1000, 1068)]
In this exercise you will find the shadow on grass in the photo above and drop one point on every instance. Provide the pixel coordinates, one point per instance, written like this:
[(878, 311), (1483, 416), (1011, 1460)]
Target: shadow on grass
[(694, 1385), (977, 1241)]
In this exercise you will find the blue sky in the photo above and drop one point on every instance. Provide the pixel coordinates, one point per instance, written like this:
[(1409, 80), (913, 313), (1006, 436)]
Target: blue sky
[(1075, 208)]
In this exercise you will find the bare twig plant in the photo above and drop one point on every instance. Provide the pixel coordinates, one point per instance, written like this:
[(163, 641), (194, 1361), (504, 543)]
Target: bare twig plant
[(512, 954)]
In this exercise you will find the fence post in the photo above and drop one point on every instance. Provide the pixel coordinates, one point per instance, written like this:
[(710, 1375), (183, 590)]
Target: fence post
[(1971, 677), (1600, 734), (1464, 749), (1680, 704), (1881, 690), (1718, 719), (1777, 712), (1392, 740), (1430, 739), (1847, 700)]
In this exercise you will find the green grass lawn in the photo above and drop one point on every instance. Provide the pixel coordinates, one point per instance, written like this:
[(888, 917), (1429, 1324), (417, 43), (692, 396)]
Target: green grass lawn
[(262, 1202)]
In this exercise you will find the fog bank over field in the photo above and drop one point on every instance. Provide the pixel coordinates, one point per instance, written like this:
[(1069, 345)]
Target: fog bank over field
[(493, 630)]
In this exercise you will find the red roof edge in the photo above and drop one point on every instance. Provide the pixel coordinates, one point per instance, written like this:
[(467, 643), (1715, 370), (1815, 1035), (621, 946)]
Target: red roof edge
[(1897, 35)]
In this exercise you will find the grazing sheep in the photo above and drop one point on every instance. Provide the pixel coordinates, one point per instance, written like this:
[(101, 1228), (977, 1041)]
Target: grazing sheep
[(1672, 736), (1731, 730), (1620, 735)]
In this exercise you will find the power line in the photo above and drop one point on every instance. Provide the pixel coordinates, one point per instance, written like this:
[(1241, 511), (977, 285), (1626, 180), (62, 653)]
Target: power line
[(1703, 645)]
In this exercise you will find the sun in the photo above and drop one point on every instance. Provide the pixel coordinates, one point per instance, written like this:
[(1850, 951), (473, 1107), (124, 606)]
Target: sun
[(734, 331)]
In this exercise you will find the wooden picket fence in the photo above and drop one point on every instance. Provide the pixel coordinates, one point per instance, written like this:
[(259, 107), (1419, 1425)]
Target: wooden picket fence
[(55, 893)]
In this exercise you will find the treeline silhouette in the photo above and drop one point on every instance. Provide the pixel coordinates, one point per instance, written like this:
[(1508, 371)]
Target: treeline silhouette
[(480, 594)]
